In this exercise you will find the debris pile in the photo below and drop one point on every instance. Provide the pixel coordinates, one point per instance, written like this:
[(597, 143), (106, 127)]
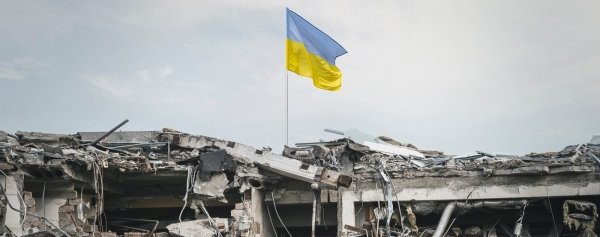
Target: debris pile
[(412, 162), (170, 183)]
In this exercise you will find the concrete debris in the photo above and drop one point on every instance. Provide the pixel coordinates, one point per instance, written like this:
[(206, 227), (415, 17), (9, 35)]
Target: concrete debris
[(391, 141), (473, 231), (412, 219), (195, 228), (384, 145), (214, 162), (424, 208), (170, 183), (580, 214)]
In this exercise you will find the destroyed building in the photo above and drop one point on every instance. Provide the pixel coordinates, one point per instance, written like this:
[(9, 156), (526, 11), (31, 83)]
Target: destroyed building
[(170, 183)]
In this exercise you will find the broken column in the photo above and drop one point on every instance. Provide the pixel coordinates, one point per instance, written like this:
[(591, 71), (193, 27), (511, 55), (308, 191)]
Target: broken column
[(261, 224)]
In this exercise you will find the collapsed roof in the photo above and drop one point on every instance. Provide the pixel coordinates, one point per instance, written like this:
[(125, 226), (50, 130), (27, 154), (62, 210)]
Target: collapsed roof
[(107, 183)]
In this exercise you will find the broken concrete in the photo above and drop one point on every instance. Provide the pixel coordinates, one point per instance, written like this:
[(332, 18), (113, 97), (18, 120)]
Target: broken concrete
[(149, 183), (196, 228)]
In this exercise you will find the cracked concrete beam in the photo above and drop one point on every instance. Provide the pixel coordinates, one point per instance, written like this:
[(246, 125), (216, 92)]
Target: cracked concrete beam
[(120, 137), (46, 138), (276, 163)]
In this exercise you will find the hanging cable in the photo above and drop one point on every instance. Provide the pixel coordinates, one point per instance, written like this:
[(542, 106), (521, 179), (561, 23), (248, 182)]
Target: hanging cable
[(20, 197), (519, 223), (520, 220), (25, 213), (277, 213), (44, 198), (494, 226), (271, 219), (398, 203), (187, 189), (551, 212), (361, 204), (210, 220), (98, 184), (314, 216)]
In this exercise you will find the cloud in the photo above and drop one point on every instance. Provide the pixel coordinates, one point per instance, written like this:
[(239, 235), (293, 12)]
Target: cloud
[(10, 73), (452, 76), (150, 75), (20, 68), (109, 86), (150, 87), (133, 87)]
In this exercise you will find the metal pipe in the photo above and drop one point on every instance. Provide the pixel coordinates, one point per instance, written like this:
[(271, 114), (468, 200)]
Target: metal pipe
[(303, 144), (113, 150), (139, 144), (314, 216), (441, 227), (109, 132), (494, 204), (595, 157), (12, 135), (334, 131)]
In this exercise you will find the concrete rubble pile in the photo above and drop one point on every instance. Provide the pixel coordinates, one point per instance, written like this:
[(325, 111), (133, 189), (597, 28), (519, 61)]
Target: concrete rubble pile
[(170, 183), (366, 162)]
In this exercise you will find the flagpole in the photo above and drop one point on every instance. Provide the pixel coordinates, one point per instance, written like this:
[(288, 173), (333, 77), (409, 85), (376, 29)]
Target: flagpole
[(287, 89), (287, 102)]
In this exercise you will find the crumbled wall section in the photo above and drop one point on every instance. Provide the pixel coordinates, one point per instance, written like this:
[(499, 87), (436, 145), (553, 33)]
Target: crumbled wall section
[(580, 214)]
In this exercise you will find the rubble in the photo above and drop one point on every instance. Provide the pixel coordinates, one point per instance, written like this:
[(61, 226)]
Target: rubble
[(580, 214), (195, 228), (159, 183)]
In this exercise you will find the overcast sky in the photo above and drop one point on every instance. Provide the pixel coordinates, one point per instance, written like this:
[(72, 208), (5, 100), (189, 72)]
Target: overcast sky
[(457, 76)]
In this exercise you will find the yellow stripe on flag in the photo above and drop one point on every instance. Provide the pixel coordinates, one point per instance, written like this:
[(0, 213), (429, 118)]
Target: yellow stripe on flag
[(304, 63)]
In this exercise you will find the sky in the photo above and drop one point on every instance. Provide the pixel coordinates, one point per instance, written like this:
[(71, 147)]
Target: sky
[(509, 77)]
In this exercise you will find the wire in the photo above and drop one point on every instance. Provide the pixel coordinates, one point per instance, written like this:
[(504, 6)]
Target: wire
[(361, 204), (25, 213), (21, 197), (271, 220), (397, 201), (376, 187), (378, 208), (99, 191), (450, 226), (424, 231), (277, 213), (43, 198), (314, 214), (551, 212), (187, 190), (210, 220), (494, 226), (520, 220)]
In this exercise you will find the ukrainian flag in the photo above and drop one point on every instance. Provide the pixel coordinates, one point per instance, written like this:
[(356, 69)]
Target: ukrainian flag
[(312, 53)]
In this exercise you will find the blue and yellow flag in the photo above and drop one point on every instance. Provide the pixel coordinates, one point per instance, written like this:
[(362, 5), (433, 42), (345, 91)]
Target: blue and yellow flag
[(312, 53)]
